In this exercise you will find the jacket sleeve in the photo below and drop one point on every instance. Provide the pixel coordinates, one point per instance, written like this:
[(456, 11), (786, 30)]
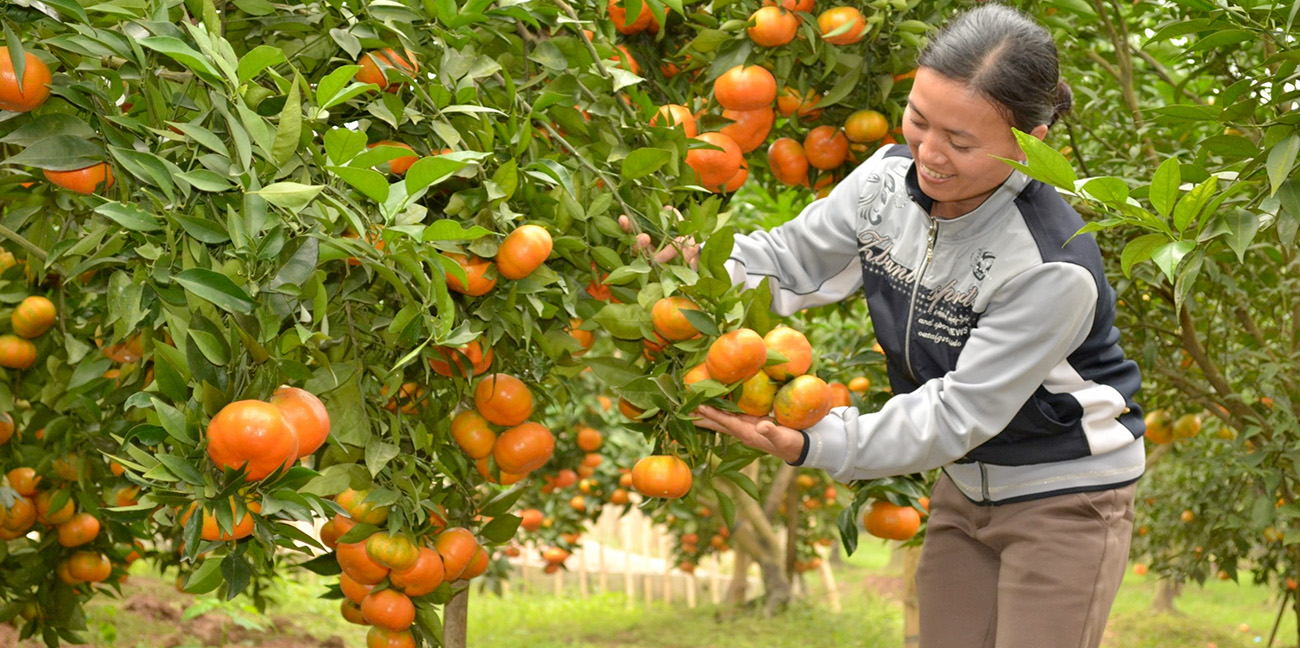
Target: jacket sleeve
[(813, 259), (1034, 322)]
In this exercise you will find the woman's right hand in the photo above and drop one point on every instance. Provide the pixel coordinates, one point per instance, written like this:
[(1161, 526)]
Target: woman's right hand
[(683, 245)]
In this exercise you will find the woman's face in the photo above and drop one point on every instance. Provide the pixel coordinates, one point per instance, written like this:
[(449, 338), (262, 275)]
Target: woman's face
[(956, 137)]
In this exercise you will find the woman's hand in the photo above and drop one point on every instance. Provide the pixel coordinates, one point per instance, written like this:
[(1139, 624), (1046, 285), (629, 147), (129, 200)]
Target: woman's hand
[(758, 432), (687, 247)]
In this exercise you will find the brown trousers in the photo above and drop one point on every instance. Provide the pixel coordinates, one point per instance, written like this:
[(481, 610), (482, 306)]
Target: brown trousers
[(1035, 574)]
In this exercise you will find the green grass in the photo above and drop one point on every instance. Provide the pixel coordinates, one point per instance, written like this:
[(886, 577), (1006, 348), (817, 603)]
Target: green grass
[(1214, 613)]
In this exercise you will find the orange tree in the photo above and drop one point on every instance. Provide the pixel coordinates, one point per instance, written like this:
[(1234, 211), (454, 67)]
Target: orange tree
[(221, 198)]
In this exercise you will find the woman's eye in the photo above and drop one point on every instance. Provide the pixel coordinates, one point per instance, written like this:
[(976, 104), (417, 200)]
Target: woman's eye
[(957, 147)]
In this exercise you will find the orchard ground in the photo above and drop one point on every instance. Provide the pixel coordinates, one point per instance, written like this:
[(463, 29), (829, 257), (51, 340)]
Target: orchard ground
[(151, 614)]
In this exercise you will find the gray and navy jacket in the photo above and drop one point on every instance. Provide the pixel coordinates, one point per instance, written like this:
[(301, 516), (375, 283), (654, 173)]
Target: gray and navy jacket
[(998, 332)]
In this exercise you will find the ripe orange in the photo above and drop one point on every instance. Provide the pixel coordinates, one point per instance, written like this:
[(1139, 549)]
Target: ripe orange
[(503, 399), (43, 513), (470, 361), (1187, 516), (805, 6), (739, 179), (698, 373), (749, 128), (457, 546), (24, 480), (786, 159), (772, 26), (393, 551), (251, 435), (358, 565), (86, 180), (89, 566), (670, 322), (860, 384), (589, 438), (128, 350), (670, 115), (745, 88), (523, 251), (530, 519), (626, 408), (485, 470), (1187, 426), (1160, 426), (398, 166), (645, 21), (757, 395), (210, 529), (78, 530), (379, 637), (802, 402), (32, 317), (473, 434), (19, 519), (306, 416), (422, 577), (359, 510), (389, 609), (794, 346), (35, 86), (1140, 569), (791, 102), (16, 352), (625, 59), (477, 272), (826, 147), (715, 167), (840, 395), (524, 448), (410, 398), (374, 67), (852, 21), (866, 126), (736, 356), (890, 521), (6, 427), (663, 476)]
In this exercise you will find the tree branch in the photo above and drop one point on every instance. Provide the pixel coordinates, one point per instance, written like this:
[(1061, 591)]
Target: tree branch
[(1192, 343), (33, 248)]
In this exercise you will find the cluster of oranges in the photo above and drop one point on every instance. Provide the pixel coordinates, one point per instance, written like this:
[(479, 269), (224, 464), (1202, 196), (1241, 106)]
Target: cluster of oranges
[(505, 401), (31, 319), (382, 572), (260, 437), (524, 250), (1163, 428)]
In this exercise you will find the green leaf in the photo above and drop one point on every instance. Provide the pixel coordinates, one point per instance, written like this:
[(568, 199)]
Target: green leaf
[(842, 88), (1280, 161), (744, 482), (174, 422), (289, 195), (369, 182), (206, 578), (614, 372), (237, 572), (847, 521), (289, 130), (501, 529), (257, 59), (334, 480), (1109, 190), (44, 126), (216, 288), (1139, 250), (342, 144), (501, 503), (378, 454), (1045, 163), (624, 321), (1191, 204), (1242, 227), (431, 170), (450, 230), (644, 161), (58, 153), (1169, 256), (1164, 186), (202, 229), (178, 50), (203, 136), (205, 180), (181, 469), (129, 216)]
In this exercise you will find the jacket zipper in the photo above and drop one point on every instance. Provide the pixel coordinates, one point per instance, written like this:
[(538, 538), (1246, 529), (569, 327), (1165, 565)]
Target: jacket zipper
[(916, 288), (984, 480)]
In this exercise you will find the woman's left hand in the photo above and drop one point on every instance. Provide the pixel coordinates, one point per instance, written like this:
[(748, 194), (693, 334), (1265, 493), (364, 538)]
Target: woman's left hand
[(758, 432)]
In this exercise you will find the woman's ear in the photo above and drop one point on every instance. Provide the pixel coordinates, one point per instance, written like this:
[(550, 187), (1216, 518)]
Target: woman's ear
[(1040, 131)]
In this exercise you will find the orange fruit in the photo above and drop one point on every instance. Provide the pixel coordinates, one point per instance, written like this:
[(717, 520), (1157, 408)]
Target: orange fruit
[(625, 60), (503, 399), (645, 21), (670, 115), (43, 513), (210, 528), (619, 496), (853, 23), (473, 434), (791, 102), (410, 398), (392, 551), (35, 84), (469, 361), (698, 373), (424, 576), (669, 320), (78, 530), (1160, 426), (358, 565), (252, 436), (589, 438), (794, 346), (749, 128), (388, 609), (478, 273), (745, 88), (359, 510), (736, 356), (866, 126), (1140, 569), (530, 519), (789, 164), (89, 566), (351, 612), (859, 384), (524, 448), (1187, 426), (305, 415), (802, 402), (24, 480), (715, 167), (457, 546), (805, 6), (398, 166), (374, 67), (523, 251), (890, 521), (757, 395), (626, 408), (128, 350), (739, 179), (840, 395), (663, 476), (86, 180), (501, 477), (379, 637), (33, 316), (6, 427), (772, 27), (826, 147)]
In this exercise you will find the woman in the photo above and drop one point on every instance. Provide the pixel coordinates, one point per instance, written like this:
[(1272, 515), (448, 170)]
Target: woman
[(1001, 350)]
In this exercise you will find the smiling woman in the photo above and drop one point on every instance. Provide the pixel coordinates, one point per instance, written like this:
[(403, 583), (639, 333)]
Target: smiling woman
[(997, 324)]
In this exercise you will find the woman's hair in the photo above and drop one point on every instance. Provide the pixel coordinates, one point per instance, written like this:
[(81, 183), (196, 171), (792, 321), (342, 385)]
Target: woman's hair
[(1008, 58)]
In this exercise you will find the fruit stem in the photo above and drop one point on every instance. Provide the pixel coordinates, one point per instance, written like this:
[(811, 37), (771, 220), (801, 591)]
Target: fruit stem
[(26, 244)]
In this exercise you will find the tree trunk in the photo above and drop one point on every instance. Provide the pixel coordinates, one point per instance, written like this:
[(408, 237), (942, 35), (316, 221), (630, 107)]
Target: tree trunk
[(737, 592), (911, 603), (1166, 591), (455, 620)]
